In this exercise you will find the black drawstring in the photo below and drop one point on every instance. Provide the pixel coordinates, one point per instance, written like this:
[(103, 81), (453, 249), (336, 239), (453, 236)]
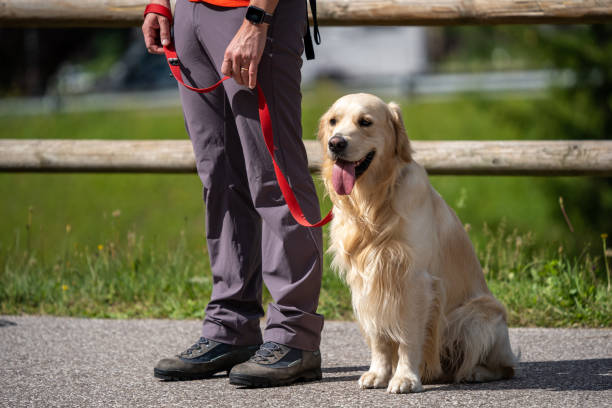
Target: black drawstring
[(308, 46), (315, 23)]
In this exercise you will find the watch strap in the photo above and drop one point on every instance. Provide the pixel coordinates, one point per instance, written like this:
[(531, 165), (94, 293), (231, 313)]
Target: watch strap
[(265, 17)]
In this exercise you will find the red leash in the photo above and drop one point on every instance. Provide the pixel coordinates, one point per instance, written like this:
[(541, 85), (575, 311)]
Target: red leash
[(264, 119)]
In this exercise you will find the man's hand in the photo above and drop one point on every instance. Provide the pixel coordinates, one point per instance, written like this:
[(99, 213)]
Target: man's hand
[(244, 52), (156, 30)]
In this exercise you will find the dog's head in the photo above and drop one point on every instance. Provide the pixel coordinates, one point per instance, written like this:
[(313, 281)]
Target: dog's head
[(363, 138)]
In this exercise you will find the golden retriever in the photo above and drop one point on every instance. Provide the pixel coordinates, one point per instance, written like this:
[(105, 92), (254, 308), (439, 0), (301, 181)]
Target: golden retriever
[(417, 287)]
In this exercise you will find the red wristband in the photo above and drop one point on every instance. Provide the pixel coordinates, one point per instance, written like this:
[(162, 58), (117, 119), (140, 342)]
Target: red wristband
[(159, 9)]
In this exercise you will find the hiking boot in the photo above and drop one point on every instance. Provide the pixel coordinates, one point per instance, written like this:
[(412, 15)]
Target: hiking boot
[(276, 364), (202, 360)]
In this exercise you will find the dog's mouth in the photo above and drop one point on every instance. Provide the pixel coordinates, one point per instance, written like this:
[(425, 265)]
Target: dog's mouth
[(344, 173)]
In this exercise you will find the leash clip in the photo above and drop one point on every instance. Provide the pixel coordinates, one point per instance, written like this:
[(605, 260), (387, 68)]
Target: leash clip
[(173, 61)]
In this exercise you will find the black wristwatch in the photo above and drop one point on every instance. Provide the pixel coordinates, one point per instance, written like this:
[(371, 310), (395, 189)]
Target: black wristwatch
[(257, 16)]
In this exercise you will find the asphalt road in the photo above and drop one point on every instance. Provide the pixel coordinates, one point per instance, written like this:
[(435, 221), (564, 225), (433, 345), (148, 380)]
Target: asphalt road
[(50, 361)]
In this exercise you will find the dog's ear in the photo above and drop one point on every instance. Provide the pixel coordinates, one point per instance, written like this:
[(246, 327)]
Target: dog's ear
[(402, 144)]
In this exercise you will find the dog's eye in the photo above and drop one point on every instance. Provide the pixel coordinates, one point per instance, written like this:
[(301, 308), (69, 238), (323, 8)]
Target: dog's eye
[(363, 122), (332, 121)]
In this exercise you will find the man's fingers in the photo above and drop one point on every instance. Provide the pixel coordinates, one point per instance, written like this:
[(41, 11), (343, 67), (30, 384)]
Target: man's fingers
[(150, 31), (236, 64), (155, 49), (152, 41), (244, 73), (252, 74), (164, 30), (152, 44), (226, 67)]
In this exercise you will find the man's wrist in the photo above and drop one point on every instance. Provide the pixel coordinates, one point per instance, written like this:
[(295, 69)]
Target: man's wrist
[(258, 28)]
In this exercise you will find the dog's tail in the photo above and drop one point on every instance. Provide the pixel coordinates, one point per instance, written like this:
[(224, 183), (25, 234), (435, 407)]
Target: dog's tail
[(476, 343)]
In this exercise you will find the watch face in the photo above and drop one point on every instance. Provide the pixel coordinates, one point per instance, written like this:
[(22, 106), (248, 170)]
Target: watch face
[(255, 15)]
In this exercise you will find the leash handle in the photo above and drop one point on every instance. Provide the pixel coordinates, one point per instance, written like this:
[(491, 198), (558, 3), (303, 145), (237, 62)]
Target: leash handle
[(264, 120)]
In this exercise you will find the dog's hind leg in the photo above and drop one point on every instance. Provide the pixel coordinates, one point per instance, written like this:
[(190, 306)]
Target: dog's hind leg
[(384, 357), (500, 361), (477, 345)]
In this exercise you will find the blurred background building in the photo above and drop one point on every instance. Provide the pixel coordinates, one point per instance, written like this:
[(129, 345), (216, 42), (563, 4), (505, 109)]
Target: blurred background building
[(111, 66)]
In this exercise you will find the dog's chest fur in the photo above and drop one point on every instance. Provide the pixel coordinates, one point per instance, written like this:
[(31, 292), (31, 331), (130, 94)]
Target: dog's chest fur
[(369, 239), (381, 250)]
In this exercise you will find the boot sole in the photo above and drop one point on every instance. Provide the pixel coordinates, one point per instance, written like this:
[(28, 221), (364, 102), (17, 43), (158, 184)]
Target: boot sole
[(167, 375), (251, 381)]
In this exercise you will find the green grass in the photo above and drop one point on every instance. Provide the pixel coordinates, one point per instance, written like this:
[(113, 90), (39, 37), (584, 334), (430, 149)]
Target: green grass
[(121, 245), (545, 286), (124, 278)]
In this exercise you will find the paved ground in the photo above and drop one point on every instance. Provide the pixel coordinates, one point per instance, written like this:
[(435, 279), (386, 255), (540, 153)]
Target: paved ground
[(48, 361)]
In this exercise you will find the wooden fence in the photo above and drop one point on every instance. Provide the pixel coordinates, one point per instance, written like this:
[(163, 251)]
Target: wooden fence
[(89, 13), (536, 158), (593, 158)]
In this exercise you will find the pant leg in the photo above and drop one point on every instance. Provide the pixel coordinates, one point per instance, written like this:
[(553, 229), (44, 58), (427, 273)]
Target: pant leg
[(291, 254), (233, 227)]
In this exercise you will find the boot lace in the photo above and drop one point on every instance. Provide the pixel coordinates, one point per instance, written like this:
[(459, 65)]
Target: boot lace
[(196, 347), (265, 352)]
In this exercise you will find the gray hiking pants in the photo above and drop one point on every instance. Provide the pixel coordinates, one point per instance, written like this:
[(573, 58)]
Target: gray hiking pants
[(249, 231)]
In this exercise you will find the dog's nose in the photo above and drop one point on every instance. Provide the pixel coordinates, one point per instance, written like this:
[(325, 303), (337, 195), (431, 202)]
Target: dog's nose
[(337, 144)]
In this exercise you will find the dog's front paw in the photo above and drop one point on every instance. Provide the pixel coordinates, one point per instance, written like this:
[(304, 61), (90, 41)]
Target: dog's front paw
[(401, 384), (371, 379)]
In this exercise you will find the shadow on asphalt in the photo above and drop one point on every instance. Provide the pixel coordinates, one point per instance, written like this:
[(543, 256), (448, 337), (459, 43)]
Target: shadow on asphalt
[(344, 369), (334, 370), (218, 375), (565, 375), (4, 323)]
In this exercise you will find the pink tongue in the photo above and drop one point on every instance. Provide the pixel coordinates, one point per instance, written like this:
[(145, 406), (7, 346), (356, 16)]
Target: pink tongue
[(343, 177)]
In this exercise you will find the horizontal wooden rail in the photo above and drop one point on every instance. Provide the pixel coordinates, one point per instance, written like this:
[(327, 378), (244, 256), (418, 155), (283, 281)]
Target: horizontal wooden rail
[(89, 13), (534, 158)]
